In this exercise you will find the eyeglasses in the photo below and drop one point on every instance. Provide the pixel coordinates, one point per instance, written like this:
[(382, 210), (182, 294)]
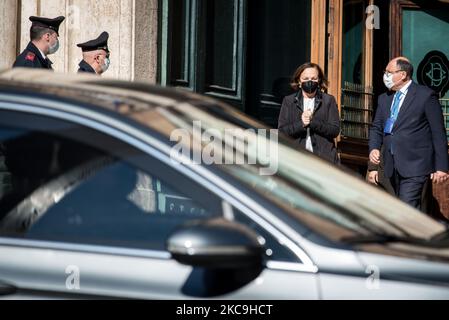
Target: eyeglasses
[(392, 72), (106, 56)]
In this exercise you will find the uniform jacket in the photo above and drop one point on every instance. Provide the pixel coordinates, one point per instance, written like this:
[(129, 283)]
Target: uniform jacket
[(85, 67), (32, 58)]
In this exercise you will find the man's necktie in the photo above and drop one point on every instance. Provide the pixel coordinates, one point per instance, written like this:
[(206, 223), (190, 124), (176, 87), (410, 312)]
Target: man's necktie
[(394, 113), (395, 108)]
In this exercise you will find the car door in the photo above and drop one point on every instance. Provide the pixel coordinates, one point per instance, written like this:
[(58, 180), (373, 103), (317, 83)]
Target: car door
[(84, 214)]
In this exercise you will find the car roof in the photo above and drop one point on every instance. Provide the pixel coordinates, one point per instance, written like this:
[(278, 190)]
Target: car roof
[(127, 98)]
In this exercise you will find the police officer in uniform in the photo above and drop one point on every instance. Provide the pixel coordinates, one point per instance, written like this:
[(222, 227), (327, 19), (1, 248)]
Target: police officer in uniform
[(95, 55), (44, 40)]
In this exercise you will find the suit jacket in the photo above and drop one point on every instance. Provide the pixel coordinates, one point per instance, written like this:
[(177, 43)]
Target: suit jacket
[(32, 58), (85, 68), (418, 137), (324, 127)]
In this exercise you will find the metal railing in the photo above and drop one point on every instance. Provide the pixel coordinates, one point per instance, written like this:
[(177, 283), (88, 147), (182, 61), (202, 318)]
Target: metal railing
[(356, 110), (445, 105)]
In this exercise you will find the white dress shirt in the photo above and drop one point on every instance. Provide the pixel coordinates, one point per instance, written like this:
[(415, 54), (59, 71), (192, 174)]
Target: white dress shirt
[(404, 91), (309, 104), (42, 54)]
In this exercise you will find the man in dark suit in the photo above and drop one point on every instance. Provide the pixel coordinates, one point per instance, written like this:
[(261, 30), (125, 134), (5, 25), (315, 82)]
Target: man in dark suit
[(376, 176), (95, 55), (409, 124), (44, 34)]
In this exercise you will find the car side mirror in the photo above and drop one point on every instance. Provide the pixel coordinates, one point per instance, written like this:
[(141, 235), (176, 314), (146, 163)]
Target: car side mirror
[(216, 244)]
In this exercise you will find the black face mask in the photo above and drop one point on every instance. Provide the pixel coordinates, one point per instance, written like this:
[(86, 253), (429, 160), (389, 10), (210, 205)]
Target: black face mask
[(309, 86)]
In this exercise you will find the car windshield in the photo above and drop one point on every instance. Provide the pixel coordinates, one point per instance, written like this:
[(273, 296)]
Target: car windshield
[(323, 197)]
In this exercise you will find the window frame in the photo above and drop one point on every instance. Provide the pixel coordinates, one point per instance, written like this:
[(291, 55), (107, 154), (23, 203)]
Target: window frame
[(105, 147)]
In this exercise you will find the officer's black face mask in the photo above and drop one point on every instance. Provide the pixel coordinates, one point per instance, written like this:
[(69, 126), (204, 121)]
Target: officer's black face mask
[(309, 86)]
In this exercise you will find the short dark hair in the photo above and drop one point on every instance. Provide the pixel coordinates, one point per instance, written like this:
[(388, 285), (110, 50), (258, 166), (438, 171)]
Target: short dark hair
[(322, 78), (406, 66), (37, 32)]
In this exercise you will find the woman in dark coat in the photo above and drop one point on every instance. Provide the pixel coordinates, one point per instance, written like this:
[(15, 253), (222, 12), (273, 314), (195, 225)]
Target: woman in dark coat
[(311, 116)]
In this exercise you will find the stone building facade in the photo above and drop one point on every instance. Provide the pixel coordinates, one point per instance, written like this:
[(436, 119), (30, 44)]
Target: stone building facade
[(132, 25), (244, 52)]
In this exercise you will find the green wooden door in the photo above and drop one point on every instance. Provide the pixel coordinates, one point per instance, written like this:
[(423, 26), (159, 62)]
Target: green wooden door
[(242, 52), (201, 47), (278, 41)]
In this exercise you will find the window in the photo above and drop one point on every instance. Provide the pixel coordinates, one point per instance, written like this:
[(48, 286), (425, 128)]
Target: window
[(56, 188), (65, 183), (357, 93)]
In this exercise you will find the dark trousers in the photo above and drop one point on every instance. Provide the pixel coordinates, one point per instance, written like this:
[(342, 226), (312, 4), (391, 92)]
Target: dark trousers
[(409, 190)]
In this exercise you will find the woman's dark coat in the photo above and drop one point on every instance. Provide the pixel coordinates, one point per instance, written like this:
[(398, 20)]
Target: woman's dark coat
[(324, 127)]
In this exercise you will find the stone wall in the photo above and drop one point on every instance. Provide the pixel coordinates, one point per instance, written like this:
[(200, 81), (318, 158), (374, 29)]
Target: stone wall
[(8, 33), (132, 25)]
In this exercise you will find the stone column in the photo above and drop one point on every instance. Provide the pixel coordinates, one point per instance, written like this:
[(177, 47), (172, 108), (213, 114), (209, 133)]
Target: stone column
[(8, 35), (146, 26), (126, 40)]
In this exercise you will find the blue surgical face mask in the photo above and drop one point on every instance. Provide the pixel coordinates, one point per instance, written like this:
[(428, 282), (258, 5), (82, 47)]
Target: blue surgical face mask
[(105, 66), (54, 48)]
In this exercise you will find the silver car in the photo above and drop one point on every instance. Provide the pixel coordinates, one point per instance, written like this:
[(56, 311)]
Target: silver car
[(112, 189)]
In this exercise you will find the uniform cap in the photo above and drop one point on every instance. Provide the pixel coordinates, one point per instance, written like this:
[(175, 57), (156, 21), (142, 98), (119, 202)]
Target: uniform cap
[(52, 24), (101, 43)]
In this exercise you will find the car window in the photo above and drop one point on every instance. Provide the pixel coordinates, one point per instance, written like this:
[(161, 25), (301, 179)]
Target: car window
[(275, 249), (65, 183), (120, 205), (56, 188)]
